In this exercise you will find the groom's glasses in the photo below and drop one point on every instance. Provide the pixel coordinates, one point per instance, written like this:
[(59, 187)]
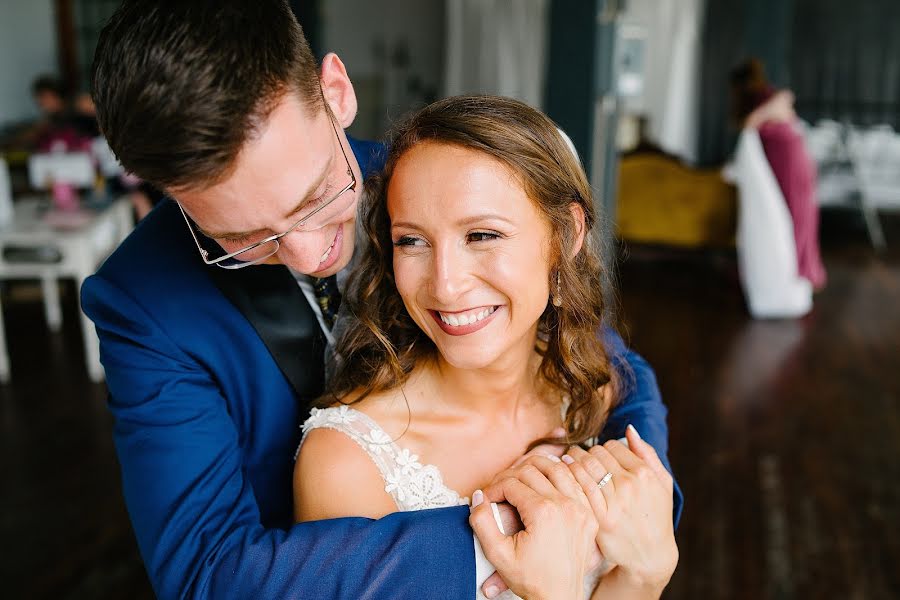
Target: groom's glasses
[(317, 214)]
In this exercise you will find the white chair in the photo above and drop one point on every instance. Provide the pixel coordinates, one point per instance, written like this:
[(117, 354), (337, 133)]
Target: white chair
[(107, 163), (850, 174), (74, 168), (6, 206)]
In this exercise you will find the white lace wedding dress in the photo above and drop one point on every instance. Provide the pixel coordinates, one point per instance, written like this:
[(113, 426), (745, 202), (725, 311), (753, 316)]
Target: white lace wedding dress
[(412, 485)]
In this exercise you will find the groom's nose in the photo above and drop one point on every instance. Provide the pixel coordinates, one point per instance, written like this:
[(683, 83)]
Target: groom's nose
[(298, 250)]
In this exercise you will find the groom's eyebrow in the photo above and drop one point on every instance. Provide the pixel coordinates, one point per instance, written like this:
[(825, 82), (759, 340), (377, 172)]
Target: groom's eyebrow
[(304, 200)]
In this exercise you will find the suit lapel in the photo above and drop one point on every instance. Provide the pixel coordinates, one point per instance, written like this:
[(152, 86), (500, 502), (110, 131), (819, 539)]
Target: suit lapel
[(269, 297)]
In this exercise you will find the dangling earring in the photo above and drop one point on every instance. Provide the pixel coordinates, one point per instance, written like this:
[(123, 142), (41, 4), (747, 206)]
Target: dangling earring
[(557, 297)]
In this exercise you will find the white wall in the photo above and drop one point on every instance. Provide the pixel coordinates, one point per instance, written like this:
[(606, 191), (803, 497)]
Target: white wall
[(27, 49), (671, 70), (498, 47), (354, 28)]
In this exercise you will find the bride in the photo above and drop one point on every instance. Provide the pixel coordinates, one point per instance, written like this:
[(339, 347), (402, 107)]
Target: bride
[(478, 303)]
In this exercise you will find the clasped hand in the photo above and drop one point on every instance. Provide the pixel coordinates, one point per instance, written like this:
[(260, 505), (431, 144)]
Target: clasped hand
[(572, 525)]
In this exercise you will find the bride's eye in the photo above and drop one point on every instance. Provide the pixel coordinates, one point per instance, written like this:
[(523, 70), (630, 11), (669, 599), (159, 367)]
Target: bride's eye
[(482, 236), (408, 240)]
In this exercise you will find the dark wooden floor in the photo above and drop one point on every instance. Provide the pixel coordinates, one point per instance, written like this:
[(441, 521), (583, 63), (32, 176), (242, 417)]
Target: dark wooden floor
[(785, 436)]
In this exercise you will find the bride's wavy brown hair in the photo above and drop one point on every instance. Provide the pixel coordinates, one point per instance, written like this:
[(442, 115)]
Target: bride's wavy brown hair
[(380, 347)]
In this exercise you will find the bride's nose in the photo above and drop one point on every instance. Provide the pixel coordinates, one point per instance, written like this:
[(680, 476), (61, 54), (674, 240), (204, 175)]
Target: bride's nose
[(450, 272)]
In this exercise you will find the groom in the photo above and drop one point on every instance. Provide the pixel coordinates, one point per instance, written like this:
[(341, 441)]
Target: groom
[(215, 314)]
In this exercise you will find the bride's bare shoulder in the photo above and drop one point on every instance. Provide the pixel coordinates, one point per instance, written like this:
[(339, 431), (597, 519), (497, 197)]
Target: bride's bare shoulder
[(330, 462)]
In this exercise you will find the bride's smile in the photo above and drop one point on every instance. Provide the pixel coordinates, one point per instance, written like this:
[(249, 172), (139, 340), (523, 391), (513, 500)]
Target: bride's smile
[(466, 321)]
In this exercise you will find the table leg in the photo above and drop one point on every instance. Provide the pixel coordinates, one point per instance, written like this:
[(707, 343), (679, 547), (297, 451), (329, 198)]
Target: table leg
[(4, 356), (52, 309), (84, 269), (91, 348)]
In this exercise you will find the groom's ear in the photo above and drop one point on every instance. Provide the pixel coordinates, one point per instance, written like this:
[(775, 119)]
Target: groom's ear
[(338, 89), (579, 220)]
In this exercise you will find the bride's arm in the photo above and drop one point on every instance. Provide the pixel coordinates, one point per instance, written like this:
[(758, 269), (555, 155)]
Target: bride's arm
[(616, 584), (334, 477)]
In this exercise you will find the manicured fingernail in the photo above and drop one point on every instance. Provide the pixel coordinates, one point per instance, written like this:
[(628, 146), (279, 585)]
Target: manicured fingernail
[(558, 432), (567, 459), (491, 591), (634, 431), (553, 457), (477, 498)]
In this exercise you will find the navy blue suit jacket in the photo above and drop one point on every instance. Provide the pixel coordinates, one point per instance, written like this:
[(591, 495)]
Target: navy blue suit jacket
[(210, 374)]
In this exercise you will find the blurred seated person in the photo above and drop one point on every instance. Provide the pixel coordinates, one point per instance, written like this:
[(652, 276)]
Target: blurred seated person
[(61, 126), (84, 115), (71, 127), (756, 104)]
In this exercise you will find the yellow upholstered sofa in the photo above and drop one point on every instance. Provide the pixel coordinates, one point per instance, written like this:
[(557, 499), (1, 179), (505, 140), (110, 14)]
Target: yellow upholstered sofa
[(663, 201)]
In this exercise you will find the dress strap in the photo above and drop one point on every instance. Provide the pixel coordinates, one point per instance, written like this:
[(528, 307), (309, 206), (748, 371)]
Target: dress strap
[(361, 429), (411, 485)]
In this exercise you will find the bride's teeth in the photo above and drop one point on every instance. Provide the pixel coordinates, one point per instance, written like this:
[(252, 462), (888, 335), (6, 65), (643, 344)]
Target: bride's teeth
[(458, 320)]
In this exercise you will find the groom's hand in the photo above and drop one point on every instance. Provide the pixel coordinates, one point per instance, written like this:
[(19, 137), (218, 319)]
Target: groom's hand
[(550, 557), (509, 517), (510, 525)]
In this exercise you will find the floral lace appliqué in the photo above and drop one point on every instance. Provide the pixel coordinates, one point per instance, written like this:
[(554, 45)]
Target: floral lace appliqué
[(412, 485)]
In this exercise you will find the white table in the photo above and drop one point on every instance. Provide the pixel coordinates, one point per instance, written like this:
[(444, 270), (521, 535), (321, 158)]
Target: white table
[(82, 243)]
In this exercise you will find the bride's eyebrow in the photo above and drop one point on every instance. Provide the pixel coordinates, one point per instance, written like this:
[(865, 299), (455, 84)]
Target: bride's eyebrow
[(473, 219), (465, 221)]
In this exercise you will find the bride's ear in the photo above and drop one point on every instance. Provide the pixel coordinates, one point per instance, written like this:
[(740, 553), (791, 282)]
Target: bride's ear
[(578, 219)]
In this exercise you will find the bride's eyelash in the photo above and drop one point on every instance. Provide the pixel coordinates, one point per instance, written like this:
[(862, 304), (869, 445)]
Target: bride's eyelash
[(406, 240), (471, 237), (483, 236)]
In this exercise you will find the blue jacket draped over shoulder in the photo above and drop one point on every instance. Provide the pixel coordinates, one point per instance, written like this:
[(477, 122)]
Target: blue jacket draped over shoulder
[(207, 404)]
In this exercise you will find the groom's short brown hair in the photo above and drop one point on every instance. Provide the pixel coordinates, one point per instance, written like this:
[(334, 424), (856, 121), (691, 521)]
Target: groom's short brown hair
[(181, 85)]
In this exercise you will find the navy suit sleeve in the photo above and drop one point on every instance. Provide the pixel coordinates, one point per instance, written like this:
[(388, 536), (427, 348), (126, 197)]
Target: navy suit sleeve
[(641, 405), (194, 513)]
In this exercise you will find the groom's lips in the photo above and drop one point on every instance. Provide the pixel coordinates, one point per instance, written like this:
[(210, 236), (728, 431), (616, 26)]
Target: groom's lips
[(335, 250)]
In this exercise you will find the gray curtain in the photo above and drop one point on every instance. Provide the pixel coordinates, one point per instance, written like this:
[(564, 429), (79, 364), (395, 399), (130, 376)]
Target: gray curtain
[(845, 62), (841, 59)]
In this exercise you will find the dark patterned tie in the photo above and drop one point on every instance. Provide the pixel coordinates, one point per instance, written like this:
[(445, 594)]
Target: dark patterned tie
[(329, 298)]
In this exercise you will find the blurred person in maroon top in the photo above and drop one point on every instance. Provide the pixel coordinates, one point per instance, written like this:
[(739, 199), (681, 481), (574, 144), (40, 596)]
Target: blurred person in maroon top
[(63, 125), (758, 105)]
